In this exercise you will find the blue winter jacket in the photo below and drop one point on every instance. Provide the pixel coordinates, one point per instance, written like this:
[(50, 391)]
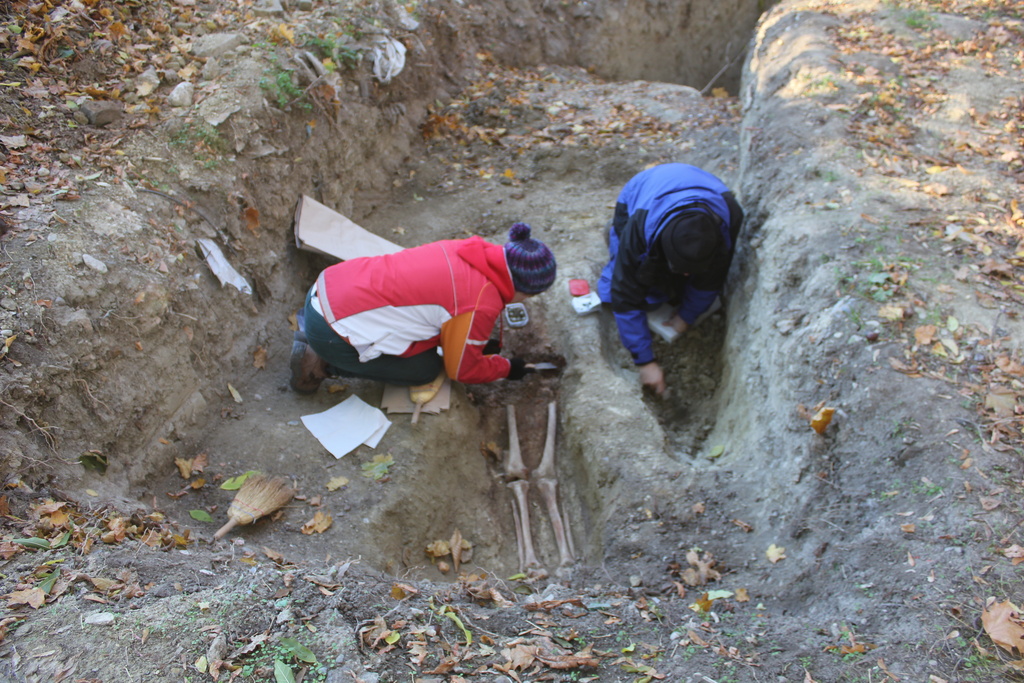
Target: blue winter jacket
[(635, 280)]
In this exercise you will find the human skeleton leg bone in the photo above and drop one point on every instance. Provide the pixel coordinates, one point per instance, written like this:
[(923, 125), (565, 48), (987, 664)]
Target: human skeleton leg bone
[(514, 468), (516, 471), (547, 483), (529, 563)]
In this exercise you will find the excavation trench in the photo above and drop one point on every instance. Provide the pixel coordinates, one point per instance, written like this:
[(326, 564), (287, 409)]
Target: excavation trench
[(448, 471), (618, 451)]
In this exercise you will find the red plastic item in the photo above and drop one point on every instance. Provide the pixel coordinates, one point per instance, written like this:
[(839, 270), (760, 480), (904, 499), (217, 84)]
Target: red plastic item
[(579, 287)]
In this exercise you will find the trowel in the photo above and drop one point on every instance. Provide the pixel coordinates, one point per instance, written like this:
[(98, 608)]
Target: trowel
[(547, 367)]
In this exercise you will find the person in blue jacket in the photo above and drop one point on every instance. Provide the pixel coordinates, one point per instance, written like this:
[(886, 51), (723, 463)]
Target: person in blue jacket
[(672, 238)]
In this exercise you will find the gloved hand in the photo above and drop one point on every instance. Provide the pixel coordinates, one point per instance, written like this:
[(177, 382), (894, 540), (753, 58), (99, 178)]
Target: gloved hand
[(519, 368), (492, 347)]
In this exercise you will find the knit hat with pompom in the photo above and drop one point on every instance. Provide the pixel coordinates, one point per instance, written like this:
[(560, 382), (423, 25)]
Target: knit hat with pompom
[(532, 264)]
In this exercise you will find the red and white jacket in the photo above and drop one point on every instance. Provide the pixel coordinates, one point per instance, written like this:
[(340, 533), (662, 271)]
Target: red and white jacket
[(448, 294)]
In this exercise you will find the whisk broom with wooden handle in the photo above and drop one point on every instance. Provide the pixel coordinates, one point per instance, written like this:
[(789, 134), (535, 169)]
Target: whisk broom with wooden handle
[(424, 394), (258, 497)]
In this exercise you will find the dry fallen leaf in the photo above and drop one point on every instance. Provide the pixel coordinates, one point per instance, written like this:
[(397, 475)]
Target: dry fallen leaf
[(282, 33), (184, 467), (320, 523), (33, 597), (988, 503), (252, 219), (456, 546), (891, 313), (821, 419), (520, 657), (1015, 553), (775, 553), (1003, 624), (743, 525), (1010, 366), (438, 549), (925, 334), (259, 358), (336, 483), (401, 591), (1001, 401), (936, 189), (702, 570)]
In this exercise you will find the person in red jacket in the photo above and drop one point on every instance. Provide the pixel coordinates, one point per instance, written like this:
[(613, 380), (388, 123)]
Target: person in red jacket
[(386, 317)]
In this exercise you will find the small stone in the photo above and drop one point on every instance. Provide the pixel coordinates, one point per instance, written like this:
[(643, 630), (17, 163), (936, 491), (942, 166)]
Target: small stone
[(211, 69), (8, 304), (635, 581), (216, 44), (101, 113), (147, 82), (94, 263), (268, 8), (100, 619), (182, 95)]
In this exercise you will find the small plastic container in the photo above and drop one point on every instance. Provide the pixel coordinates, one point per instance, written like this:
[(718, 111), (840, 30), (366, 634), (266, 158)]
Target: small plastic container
[(516, 315), (587, 303)]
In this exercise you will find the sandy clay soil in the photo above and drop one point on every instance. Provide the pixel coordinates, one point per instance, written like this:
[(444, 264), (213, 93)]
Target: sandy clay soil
[(831, 490)]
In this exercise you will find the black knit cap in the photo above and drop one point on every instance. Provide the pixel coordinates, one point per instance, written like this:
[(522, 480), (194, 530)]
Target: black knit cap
[(691, 242), (531, 263)]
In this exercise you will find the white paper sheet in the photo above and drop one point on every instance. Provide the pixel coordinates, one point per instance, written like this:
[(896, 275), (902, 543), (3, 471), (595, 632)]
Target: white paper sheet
[(348, 425)]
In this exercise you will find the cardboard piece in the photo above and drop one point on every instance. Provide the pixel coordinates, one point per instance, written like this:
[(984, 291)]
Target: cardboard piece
[(396, 399), (325, 231)]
